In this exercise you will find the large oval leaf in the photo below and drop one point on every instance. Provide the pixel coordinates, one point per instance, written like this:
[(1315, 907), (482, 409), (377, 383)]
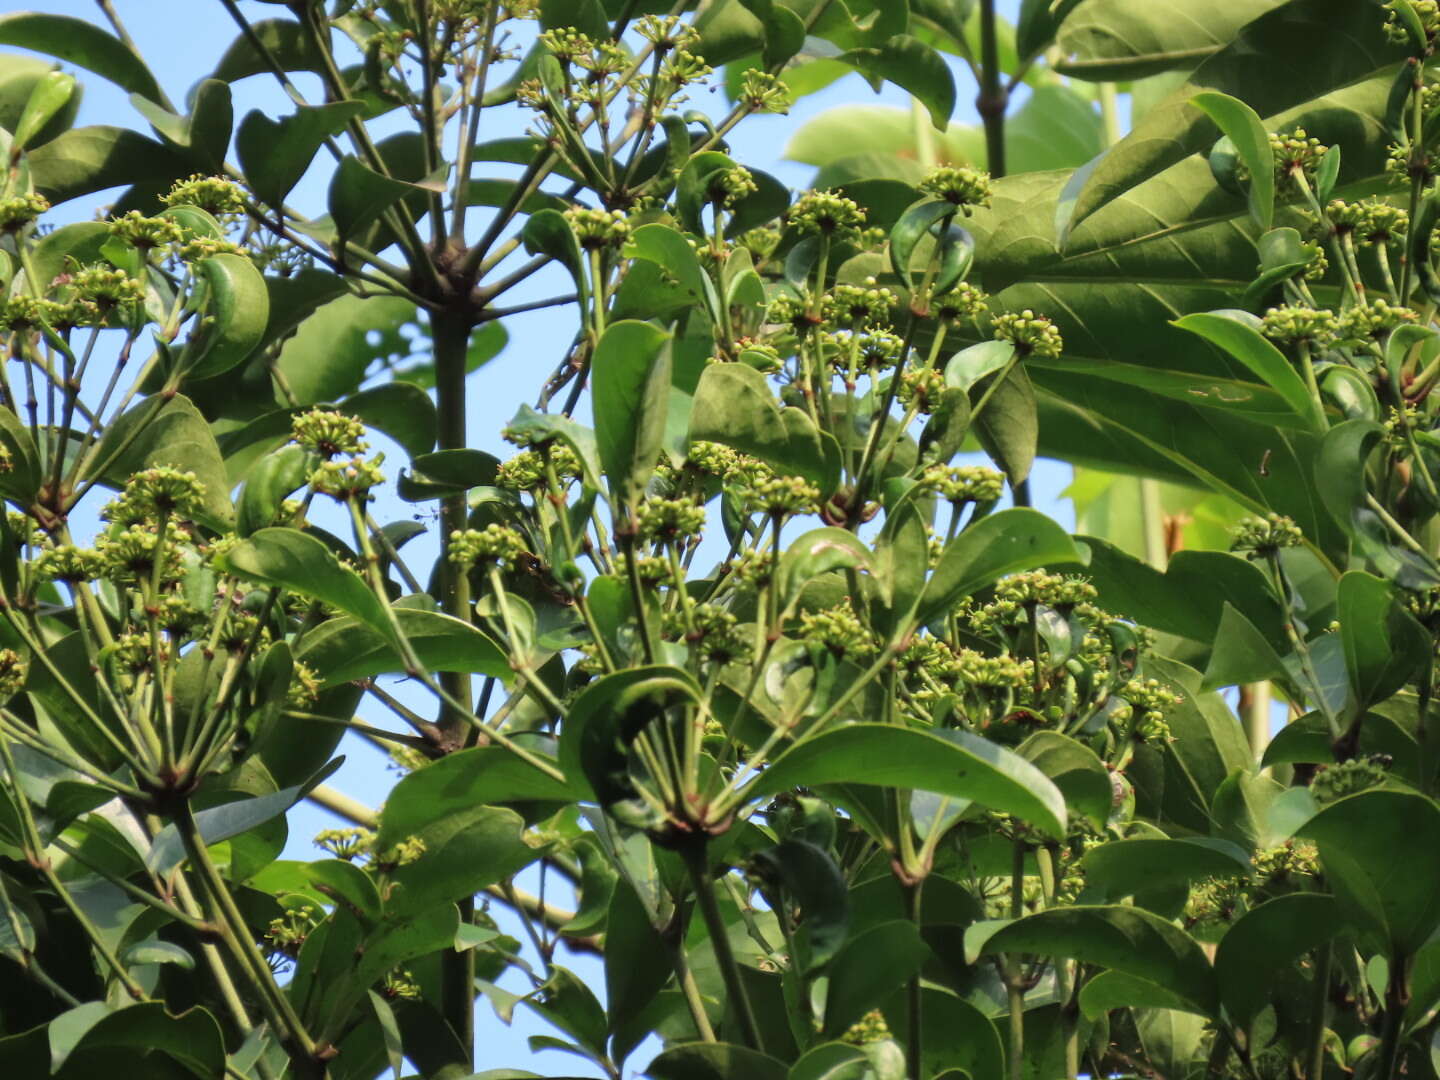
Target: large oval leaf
[(953, 763)]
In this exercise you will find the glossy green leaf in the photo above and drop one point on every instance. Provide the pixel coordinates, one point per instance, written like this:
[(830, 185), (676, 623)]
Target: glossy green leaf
[(191, 1041), (1009, 427), (969, 366), (1124, 868), (1384, 645), (347, 884), (830, 1061), (358, 194), (1126, 939), (82, 43), (1380, 850), (714, 1061), (20, 79), (85, 160), (1286, 36), (548, 232), (50, 96), (735, 407), (236, 313), (872, 966), (819, 551), (1267, 939), (330, 353), (345, 649), (1077, 771), (1117, 40), (630, 385), (164, 431), (914, 225), (274, 154), (487, 775), (914, 66), (1244, 129), (229, 820), (1003, 543), (1237, 333), (810, 879), (947, 762), (669, 250), (289, 559), (155, 951)]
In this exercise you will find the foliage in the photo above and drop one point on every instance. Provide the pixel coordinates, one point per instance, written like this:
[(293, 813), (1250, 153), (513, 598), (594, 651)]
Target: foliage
[(905, 783)]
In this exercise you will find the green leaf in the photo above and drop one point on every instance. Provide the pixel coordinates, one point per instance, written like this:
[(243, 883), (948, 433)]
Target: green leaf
[(404, 412), (154, 951), (637, 962), (1241, 655), (457, 782), (229, 820), (466, 849), (605, 718), (548, 232), (954, 1034), (85, 160), (734, 406), (1264, 942), (872, 966), (50, 96), (1123, 868), (1008, 426), (714, 1061), (164, 431), (947, 762), (1354, 46), (1126, 939), (1119, 40), (811, 879), (192, 1040), (331, 351), (969, 366), (358, 194), (237, 310), (1056, 128), (22, 481), (274, 154), (630, 385), (1038, 23), (1384, 644), (914, 224), (1244, 129), (1237, 333), (666, 248), (1004, 543), (347, 883), (831, 1061), (22, 75), (82, 43), (1077, 771), (819, 551), (290, 559), (1380, 851), (911, 65), (345, 649)]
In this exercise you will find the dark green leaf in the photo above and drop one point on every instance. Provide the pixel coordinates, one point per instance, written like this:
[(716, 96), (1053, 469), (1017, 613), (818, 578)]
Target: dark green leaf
[(810, 878), (290, 559), (947, 762), (1264, 942), (630, 385), (275, 153), (1384, 645), (345, 649), (1238, 334), (1125, 939), (914, 66), (83, 44), (1077, 771), (1381, 850), (872, 966), (85, 160), (1124, 868), (714, 1061), (237, 310), (1008, 426), (1003, 543)]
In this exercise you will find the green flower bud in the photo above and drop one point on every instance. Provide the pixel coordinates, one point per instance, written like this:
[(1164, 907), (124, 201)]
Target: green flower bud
[(963, 186), (1031, 334), (495, 544), (213, 194), (825, 213), (1267, 535), (328, 433)]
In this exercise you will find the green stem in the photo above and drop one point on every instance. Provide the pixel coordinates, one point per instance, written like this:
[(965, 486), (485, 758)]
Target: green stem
[(914, 1043), (1014, 986), (1319, 1012), (697, 863)]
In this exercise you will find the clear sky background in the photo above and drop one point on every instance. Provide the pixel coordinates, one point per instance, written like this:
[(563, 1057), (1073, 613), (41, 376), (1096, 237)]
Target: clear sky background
[(182, 40)]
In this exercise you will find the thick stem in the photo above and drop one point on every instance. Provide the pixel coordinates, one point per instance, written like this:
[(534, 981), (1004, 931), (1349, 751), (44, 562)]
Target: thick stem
[(993, 97), (697, 863), (450, 334)]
